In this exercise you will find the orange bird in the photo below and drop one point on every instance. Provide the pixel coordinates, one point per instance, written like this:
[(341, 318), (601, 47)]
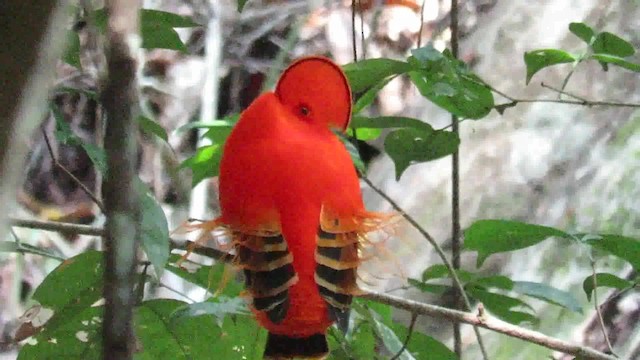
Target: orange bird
[(290, 198)]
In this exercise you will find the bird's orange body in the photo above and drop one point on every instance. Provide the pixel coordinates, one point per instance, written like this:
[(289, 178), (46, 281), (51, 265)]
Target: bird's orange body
[(290, 195)]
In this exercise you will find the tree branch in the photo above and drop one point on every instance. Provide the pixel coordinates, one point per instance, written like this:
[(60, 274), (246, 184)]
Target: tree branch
[(455, 200), (418, 308), (62, 227), (122, 229), (488, 323)]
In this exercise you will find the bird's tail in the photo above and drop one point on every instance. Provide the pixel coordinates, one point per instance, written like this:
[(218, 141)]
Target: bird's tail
[(282, 347)]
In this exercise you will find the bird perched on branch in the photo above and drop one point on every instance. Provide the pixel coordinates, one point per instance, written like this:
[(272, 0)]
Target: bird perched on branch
[(290, 199)]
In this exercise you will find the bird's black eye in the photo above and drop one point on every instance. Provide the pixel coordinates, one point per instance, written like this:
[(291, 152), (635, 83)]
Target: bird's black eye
[(304, 110)]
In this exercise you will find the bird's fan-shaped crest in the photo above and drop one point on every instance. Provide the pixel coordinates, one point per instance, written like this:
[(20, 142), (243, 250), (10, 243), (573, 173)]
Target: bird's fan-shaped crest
[(316, 88)]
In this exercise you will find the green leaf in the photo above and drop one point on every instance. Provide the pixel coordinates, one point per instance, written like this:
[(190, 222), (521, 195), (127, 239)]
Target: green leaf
[(621, 246), (383, 310), (70, 288), (154, 229), (440, 271), (72, 54), (353, 152), (152, 128), (150, 17), (78, 337), (604, 280), (204, 164), (502, 306), (362, 341), (364, 134), (65, 135), (423, 346), (389, 337), (160, 37), (223, 123), (448, 83), (219, 307), (241, 338), (435, 272), (218, 135), (75, 281), (496, 281), (582, 31), (388, 122), (208, 277), (370, 95), (611, 59), (162, 338), (461, 95), (549, 294), (367, 73), (409, 146), (241, 4), (495, 236), (217, 130), (97, 155), (427, 55), (338, 345), (539, 59), (611, 44), (429, 288), (156, 28)]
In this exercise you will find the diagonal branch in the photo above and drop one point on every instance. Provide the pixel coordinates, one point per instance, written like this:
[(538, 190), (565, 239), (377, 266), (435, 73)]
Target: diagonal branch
[(412, 324), (66, 171), (603, 327)]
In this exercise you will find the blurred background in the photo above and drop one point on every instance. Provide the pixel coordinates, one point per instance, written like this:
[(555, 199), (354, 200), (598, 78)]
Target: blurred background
[(572, 167)]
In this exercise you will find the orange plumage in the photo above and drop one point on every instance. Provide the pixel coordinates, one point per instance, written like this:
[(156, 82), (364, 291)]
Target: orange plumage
[(291, 198)]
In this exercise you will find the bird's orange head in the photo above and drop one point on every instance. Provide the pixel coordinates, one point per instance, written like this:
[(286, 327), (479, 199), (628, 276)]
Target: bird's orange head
[(315, 90)]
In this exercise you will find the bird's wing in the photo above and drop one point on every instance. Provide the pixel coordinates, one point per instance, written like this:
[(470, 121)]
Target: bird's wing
[(268, 270)]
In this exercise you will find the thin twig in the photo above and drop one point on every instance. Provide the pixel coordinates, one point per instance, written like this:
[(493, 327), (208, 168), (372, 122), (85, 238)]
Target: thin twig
[(563, 92), (69, 174), (62, 227), (353, 30), (429, 310), (421, 24), (364, 48), (176, 291), (597, 307), (414, 317), (513, 101), (454, 276), (212, 253)]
